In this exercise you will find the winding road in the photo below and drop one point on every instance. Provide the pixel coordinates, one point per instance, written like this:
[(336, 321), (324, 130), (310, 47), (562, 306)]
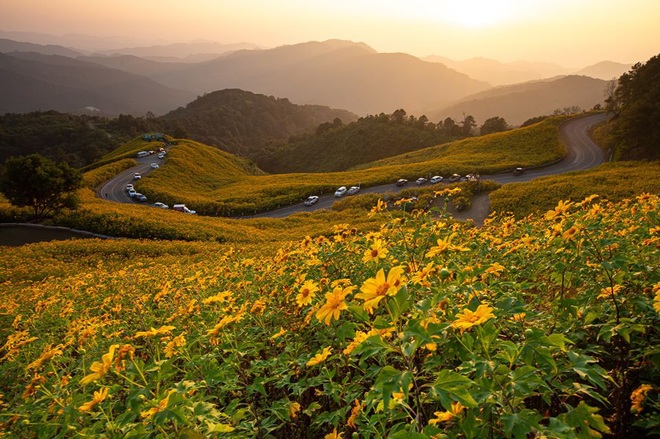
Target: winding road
[(583, 154)]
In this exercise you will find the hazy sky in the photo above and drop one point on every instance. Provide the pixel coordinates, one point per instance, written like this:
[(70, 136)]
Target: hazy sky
[(573, 33)]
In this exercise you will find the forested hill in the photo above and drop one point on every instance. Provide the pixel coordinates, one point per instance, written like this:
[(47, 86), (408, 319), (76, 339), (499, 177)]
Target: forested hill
[(242, 122), (337, 146)]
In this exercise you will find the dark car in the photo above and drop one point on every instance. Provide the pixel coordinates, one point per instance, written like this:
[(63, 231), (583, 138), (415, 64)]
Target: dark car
[(518, 171)]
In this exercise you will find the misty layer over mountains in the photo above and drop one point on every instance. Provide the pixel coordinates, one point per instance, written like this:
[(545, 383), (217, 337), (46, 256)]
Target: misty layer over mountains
[(335, 73)]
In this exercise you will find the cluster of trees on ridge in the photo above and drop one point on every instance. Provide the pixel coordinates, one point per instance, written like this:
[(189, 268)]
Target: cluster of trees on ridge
[(336, 146)]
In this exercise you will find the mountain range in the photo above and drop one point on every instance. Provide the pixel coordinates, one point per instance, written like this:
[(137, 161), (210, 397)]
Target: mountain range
[(334, 73)]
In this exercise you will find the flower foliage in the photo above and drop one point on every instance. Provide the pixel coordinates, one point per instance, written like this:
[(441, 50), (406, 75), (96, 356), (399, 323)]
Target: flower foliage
[(541, 327)]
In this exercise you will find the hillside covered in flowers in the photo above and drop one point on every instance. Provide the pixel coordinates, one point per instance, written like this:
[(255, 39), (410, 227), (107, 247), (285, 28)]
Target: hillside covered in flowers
[(541, 327)]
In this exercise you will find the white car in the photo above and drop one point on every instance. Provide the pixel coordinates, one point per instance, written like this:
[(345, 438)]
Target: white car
[(311, 200), (420, 181), (132, 192), (454, 177), (436, 179), (353, 190), (161, 205), (140, 197), (129, 186), (341, 192), (154, 166), (161, 155), (137, 176)]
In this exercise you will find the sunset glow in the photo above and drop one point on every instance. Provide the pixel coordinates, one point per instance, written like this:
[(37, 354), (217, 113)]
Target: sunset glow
[(572, 33)]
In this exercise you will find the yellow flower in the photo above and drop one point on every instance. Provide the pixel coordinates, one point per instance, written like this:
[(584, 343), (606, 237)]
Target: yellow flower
[(99, 369), (294, 408), (444, 245), (154, 332), (45, 356), (638, 396), (519, 317), (306, 293), (375, 289), (224, 322), (355, 412), (570, 233), (334, 304), (467, 319), (162, 405), (656, 299), (376, 252), (609, 291), (562, 208), (380, 206), (495, 269), (334, 435), (279, 334), (319, 358), (177, 342), (97, 398), (360, 336), (456, 409)]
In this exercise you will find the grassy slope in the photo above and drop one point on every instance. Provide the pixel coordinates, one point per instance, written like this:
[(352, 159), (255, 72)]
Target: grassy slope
[(612, 181), (202, 179), (532, 145)]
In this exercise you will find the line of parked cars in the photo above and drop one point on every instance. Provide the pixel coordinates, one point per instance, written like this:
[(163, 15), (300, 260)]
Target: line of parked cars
[(437, 179)]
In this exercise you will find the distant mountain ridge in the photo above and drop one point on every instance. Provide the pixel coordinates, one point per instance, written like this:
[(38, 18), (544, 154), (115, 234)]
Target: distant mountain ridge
[(517, 103), (8, 46), (31, 82), (340, 74)]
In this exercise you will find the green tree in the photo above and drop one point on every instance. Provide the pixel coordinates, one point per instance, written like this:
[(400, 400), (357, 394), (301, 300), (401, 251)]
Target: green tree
[(636, 102), (468, 125), (38, 182), (493, 125)]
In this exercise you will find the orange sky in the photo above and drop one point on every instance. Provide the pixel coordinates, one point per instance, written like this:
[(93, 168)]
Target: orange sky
[(573, 33)]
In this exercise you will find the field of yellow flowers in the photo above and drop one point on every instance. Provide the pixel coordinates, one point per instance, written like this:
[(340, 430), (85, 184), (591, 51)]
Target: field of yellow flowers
[(424, 328)]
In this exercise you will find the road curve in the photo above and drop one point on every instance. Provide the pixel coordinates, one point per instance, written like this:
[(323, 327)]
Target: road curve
[(582, 153)]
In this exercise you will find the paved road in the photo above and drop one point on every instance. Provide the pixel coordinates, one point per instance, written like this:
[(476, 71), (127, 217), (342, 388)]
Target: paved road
[(115, 189), (582, 154)]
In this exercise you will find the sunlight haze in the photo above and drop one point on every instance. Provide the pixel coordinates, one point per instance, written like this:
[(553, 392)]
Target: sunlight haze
[(570, 33)]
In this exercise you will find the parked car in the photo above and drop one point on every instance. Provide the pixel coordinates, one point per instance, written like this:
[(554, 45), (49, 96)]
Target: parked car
[(471, 177), (311, 200), (138, 196), (518, 171), (137, 176), (183, 208), (161, 155), (401, 182), (142, 154), (154, 166), (341, 192), (454, 178), (132, 192), (436, 179), (129, 186), (161, 205), (353, 190), (420, 181)]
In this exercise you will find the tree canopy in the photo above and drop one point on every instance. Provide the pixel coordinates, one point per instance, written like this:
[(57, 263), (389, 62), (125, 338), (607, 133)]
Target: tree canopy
[(493, 125), (636, 104), (37, 182)]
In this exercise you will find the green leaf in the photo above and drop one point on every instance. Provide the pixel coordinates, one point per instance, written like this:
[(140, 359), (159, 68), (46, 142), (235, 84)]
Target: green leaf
[(399, 304), (449, 383), (222, 428), (586, 368), (391, 380), (519, 425)]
